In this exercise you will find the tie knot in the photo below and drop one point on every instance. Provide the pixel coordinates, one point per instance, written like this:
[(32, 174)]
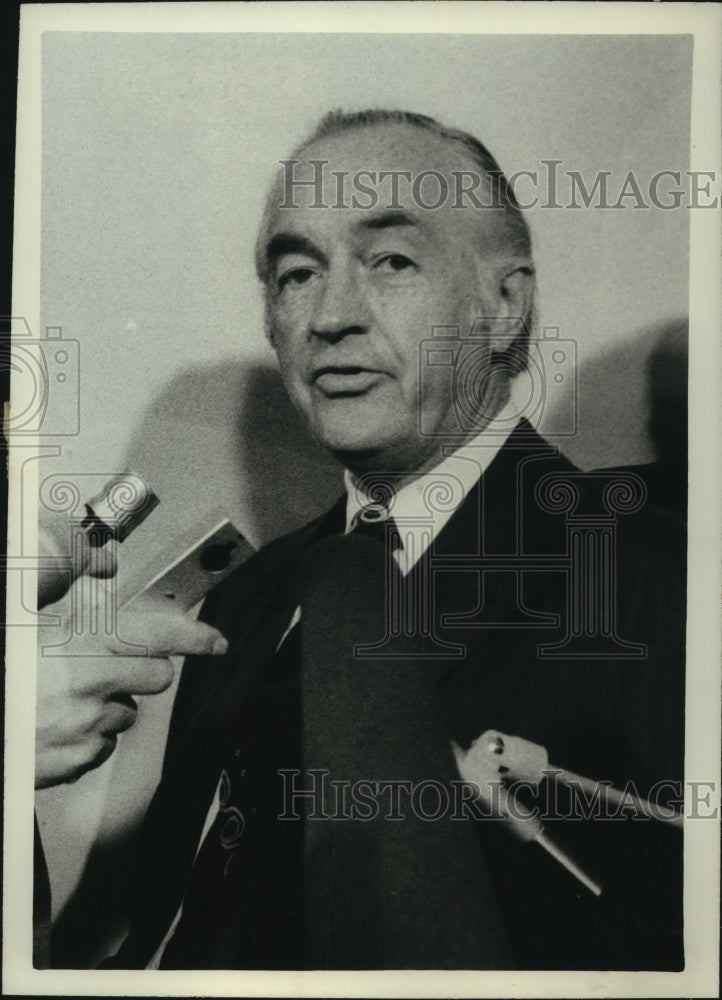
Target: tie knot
[(374, 521)]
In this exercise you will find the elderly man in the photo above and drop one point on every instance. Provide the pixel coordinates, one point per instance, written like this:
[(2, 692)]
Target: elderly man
[(311, 813)]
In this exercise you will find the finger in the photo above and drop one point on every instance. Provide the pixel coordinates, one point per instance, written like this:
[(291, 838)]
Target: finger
[(120, 714), (146, 676), (167, 634), (102, 562), (114, 677), (94, 754), (64, 766), (94, 553)]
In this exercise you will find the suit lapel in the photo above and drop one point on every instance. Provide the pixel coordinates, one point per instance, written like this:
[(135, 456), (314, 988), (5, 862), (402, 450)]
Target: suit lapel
[(481, 596), (252, 609)]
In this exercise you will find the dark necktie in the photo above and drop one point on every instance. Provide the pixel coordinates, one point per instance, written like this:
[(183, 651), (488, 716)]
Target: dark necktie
[(384, 885)]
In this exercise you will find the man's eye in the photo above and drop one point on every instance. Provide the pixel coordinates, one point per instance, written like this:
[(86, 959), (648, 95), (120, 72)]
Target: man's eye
[(294, 278), (393, 263)]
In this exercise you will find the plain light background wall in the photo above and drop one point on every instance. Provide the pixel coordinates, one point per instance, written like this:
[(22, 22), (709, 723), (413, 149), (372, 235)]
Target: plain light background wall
[(157, 150)]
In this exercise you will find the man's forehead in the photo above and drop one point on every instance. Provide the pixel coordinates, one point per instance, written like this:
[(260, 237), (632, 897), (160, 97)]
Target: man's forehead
[(393, 146), (371, 171)]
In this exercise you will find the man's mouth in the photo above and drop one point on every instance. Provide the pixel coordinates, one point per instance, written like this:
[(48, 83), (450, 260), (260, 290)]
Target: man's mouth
[(346, 380)]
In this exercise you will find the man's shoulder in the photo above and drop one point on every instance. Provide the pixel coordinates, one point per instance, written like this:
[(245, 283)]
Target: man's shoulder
[(272, 556), (273, 560), (624, 496)]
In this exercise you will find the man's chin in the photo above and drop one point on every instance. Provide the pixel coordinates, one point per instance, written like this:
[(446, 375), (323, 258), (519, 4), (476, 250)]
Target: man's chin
[(372, 453), (354, 453), (366, 438), (351, 430)]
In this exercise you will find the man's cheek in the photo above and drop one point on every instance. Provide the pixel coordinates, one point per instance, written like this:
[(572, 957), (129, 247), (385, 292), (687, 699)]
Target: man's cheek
[(292, 373), (402, 315), (434, 391), (292, 365), (290, 315)]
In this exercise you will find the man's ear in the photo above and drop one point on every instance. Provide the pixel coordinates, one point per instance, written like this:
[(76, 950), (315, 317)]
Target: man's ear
[(515, 291)]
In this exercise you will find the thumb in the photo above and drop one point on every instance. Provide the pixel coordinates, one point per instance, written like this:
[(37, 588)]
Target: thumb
[(101, 562)]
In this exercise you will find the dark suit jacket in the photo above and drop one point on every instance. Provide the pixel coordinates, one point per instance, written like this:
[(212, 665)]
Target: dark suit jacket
[(602, 712)]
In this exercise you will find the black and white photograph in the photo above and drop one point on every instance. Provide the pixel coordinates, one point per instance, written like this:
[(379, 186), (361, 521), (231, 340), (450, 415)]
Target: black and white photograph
[(363, 546)]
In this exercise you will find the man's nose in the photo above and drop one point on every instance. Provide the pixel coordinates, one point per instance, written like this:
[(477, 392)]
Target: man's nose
[(341, 306)]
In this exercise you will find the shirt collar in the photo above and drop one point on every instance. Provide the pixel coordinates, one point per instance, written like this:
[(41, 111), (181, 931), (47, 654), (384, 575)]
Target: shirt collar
[(422, 507)]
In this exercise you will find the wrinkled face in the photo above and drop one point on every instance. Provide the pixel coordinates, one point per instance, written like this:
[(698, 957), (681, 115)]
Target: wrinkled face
[(352, 292)]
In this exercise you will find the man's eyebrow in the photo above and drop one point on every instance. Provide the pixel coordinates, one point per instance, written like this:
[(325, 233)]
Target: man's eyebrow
[(287, 243), (390, 219)]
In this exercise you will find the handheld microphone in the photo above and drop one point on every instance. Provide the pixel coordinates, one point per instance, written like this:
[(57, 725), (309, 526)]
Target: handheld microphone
[(71, 549)]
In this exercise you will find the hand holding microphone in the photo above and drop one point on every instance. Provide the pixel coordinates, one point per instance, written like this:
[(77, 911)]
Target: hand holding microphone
[(85, 698)]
